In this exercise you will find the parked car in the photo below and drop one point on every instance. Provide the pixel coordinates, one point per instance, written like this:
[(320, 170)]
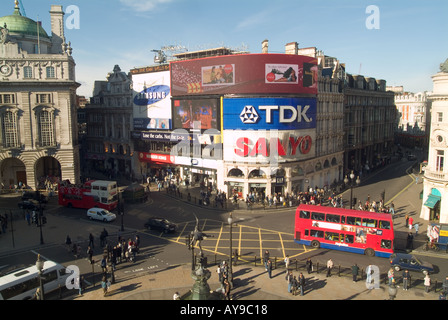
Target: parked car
[(403, 261), (29, 204), (100, 214), (161, 224)]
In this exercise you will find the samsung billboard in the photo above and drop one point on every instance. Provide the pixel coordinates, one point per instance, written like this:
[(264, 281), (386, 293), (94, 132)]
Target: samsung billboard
[(269, 113), (152, 100)]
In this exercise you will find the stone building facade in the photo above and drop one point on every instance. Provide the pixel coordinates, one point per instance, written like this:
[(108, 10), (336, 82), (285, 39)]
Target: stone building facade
[(38, 136)]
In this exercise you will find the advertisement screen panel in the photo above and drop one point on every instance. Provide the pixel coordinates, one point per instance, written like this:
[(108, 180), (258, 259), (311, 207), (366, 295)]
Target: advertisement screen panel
[(245, 74), (269, 113), (198, 114), (152, 101), (268, 146)]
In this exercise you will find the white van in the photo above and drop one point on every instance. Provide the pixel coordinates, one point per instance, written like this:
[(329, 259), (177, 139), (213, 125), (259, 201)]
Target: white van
[(100, 214), (22, 284)]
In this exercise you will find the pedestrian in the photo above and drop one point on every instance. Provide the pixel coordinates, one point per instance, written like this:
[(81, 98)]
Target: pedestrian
[(390, 276), (269, 268), (406, 280), (104, 264), (330, 265), (68, 243), (81, 285), (410, 241), (411, 223), (28, 217), (294, 286), (301, 282), (309, 265), (227, 289), (287, 261), (392, 208), (406, 219), (265, 259), (104, 285), (355, 271), (91, 241), (90, 253), (427, 283), (445, 286), (416, 227), (289, 280)]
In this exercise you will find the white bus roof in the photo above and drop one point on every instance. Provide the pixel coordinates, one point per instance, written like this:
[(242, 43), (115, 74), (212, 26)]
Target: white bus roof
[(25, 272)]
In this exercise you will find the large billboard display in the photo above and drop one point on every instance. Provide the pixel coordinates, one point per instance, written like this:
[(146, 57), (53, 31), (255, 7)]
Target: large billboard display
[(152, 100), (268, 146), (195, 114), (269, 113), (245, 74)]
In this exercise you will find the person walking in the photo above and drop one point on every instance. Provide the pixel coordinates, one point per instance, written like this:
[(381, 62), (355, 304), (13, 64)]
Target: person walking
[(427, 283), (406, 280), (355, 271), (227, 289), (301, 282), (269, 268), (265, 259), (406, 219), (294, 285), (309, 266), (91, 241), (287, 261), (416, 227), (289, 280), (411, 223), (390, 276), (90, 253), (330, 265)]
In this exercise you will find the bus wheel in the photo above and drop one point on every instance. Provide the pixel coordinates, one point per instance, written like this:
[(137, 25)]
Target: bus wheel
[(315, 244), (369, 252)]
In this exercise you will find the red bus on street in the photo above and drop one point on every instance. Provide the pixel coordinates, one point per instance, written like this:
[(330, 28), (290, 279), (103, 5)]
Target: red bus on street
[(93, 193), (363, 232)]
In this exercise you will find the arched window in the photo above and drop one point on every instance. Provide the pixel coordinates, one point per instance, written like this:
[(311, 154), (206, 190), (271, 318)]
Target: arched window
[(9, 130), (235, 172), (46, 128)]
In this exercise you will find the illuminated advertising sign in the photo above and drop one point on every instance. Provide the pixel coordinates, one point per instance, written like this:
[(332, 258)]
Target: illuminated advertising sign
[(156, 158), (152, 103), (245, 73), (269, 113), (200, 114), (268, 146)]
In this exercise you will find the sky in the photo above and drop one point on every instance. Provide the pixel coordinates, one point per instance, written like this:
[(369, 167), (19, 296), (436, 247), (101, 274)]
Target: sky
[(401, 41)]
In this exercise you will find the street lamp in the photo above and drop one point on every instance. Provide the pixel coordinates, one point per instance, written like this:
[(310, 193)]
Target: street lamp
[(40, 268), (352, 184), (230, 221)]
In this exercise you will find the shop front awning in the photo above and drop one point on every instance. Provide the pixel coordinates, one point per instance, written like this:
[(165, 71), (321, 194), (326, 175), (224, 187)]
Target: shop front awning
[(432, 201)]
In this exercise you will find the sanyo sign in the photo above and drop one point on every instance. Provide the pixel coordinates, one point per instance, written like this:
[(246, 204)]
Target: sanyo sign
[(269, 113)]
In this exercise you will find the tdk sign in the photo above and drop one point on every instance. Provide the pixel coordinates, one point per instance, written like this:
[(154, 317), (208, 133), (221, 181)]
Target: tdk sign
[(269, 113), (152, 95)]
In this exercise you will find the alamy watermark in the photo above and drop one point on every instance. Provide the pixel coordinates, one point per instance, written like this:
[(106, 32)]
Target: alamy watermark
[(73, 20), (373, 20)]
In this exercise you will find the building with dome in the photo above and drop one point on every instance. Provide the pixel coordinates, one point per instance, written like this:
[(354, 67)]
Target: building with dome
[(38, 128)]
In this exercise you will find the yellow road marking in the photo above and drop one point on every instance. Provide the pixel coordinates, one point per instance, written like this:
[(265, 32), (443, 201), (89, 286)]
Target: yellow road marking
[(219, 237)]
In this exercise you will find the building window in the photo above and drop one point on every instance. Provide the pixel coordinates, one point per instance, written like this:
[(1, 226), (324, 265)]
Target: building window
[(43, 98), (27, 72), (439, 116), (46, 131), (7, 98), (50, 73), (439, 159), (9, 130)]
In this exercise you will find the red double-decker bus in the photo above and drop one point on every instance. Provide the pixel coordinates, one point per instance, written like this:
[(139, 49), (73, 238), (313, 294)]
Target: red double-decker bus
[(93, 193), (348, 230)]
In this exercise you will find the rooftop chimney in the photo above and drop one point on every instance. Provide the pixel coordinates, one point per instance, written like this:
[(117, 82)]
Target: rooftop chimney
[(264, 46)]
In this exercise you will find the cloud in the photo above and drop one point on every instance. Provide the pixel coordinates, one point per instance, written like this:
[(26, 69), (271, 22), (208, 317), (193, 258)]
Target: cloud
[(143, 5)]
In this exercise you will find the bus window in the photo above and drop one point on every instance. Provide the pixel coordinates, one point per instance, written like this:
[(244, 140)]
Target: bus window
[(318, 216), (369, 222), (384, 224), (342, 219), (304, 214), (354, 221), (332, 218), (317, 233), (386, 244), (349, 238), (332, 236)]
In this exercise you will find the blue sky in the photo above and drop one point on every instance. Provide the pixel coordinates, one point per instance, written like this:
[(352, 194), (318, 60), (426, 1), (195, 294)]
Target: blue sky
[(407, 49)]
